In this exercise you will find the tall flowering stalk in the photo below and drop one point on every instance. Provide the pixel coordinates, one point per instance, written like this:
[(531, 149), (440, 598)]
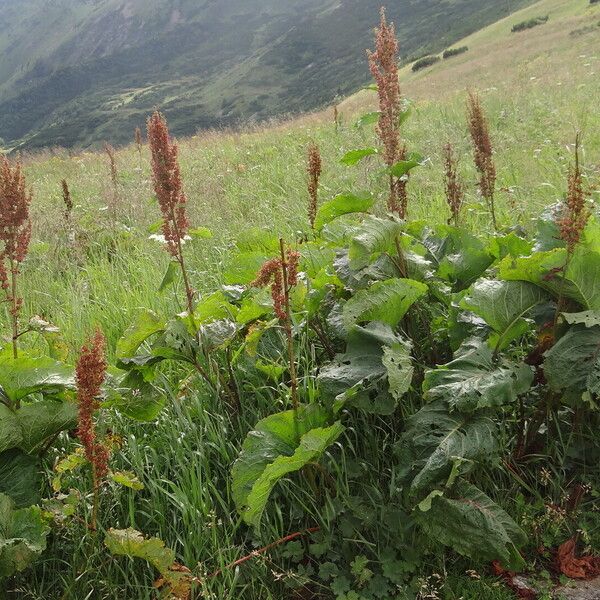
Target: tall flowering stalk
[(281, 274), (168, 187), (575, 213), (114, 179), (383, 64), (90, 375), (483, 153), (15, 235), (573, 219), (67, 201), (314, 169), (453, 184), (139, 143)]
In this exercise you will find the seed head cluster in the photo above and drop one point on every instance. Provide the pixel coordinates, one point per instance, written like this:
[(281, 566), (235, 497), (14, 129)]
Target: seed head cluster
[(15, 228), (90, 374), (575, 213), (383, 64), (272, 274), (168, 187), (67, 200), (453, 184), (482, 148), (314, 174)]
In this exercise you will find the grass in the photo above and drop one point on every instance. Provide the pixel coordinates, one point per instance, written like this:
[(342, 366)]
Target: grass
[(539, 88)]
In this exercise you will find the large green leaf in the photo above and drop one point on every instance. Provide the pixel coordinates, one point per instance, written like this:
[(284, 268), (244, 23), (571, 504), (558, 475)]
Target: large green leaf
[(41, 421), (129, 542), (403, 167), (146, 324), (20, 477), (374, 372), (580, 281), (374, 237), (387, 301), (572, 365), (10, 432), (23, 535), (473, 525), (342, 204), (244, 267), (474, 379), (278, 446), (437, 443), (20, 377), (503, 305), (353, 157), (136, 398), (460, 256)]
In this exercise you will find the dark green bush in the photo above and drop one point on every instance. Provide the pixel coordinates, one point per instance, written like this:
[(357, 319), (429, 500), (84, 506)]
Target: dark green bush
[(454, 52), (529, 24), (425, 62)]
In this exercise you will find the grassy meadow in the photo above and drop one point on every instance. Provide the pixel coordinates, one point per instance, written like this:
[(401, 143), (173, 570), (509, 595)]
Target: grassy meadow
[(539, 87)]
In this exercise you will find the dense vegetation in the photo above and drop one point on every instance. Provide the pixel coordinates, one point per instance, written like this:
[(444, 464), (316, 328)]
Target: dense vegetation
[(454, 52), (529, 24), (391, 371), (72, 73)]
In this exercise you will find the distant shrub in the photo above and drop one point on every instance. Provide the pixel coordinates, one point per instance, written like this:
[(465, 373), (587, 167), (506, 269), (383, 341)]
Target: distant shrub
[(530, 24), (594, 1), (454, 52), (588, 29), (425, 62)]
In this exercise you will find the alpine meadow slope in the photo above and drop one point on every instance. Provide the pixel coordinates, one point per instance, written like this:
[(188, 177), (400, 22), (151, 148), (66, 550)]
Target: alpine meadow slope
[(342, 356), (73, 73)]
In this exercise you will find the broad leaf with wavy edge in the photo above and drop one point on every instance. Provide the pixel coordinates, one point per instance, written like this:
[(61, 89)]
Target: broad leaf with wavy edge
[(436, 442), (580, 281), (572, 365), (475, 380), (342, 204), (23, 535), (473, 525), (278, 446), (386, 301), (373, 374), (374, 237), (503, 305)]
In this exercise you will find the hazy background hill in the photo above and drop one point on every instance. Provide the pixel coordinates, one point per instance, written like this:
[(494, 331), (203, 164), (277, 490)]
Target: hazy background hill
[(74, 72)]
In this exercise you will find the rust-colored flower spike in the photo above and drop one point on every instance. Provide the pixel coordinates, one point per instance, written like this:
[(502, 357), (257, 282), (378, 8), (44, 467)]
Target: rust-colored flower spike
[(67, 200), (110, 152), (314, 174), (168, 187), (483, 153), (15, 235), (453, 184), (272, 274), (89, 375), (383, 64), (575, 213)]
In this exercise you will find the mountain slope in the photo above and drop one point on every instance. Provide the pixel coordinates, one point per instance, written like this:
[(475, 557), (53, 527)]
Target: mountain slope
[(73, 72)]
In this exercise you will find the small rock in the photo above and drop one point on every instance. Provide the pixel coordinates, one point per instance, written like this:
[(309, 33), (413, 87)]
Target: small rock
[(579, 590)]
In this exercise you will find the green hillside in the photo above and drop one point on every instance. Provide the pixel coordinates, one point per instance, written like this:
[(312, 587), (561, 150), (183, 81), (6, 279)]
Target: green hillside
[(74, 73)]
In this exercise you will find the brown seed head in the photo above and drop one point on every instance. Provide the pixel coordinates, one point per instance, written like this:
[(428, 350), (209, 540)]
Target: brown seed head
[(453, 184), (575, 213), (168, 187), (90, 375), (110, 152), (314, 174), (482, 146), (15, 226), (271, 274), (68, 201)]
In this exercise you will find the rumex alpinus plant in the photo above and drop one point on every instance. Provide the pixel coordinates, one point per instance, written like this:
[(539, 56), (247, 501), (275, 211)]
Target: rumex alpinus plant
[(483, 153), (114, 179), (67, 200), (383, 64), (453, 184), (90, 375), (575, 213), (168, 187), (15, 234), (314, 169), (139, 143), (281, 274)]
